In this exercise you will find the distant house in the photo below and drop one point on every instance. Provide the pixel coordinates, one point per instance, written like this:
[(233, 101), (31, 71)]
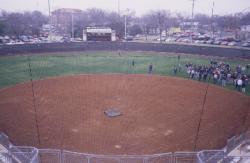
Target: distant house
[(189, 25), (245, 28), (99, 34), (245, 32)]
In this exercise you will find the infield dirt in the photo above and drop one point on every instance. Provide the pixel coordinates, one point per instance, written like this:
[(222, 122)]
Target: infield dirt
[(159, 114)]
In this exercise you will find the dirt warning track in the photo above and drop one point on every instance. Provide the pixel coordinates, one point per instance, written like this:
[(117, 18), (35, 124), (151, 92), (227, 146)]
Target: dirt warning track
[(159, 114)]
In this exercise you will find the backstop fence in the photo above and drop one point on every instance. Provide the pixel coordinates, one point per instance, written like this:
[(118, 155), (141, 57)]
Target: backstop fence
[(15, 154)]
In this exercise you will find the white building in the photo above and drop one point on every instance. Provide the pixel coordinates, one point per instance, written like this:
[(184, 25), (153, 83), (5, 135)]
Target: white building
[(99, 34), (245, 32)]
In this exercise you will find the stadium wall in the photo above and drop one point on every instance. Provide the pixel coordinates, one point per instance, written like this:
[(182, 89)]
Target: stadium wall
[(128, 46)]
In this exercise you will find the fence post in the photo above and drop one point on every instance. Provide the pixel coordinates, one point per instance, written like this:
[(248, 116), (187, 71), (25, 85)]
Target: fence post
[(61, 156), (88, 159), (145, 160)]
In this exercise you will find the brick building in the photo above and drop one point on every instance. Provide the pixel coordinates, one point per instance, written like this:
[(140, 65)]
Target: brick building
[(63, 19)]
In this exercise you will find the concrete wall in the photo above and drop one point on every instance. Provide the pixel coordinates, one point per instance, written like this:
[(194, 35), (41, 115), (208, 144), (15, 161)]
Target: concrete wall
[(129, 46)]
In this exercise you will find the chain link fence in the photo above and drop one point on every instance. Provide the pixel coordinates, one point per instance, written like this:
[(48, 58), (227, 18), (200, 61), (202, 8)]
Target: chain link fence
[(15, 154), (185, 157), (4, 140), (235, 141), (23, 154), (74, 157), (50, 156), (210, 156)]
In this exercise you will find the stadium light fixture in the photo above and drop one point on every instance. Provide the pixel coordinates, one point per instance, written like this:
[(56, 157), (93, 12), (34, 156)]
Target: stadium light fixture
[(125, 13), (212, 21), (49, 20)]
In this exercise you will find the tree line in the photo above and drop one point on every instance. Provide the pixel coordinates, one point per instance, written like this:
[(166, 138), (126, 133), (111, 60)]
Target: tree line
[(30, 23)]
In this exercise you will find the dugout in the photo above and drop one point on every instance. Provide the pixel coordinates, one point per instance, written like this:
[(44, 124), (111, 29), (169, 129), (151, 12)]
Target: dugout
[(99, 34)]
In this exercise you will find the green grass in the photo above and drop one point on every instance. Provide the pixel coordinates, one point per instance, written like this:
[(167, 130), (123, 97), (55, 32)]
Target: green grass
[(15, 69)]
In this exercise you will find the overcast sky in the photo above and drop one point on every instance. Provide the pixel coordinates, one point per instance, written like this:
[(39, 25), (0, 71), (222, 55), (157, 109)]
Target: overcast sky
[(140, 6)]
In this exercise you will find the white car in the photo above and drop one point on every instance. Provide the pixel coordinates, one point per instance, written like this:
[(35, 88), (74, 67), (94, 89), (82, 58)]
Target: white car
[(232, 44)]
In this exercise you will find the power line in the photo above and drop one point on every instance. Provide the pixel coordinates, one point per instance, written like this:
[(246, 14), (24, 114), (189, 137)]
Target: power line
[(72, 24), (245, 116), (49, 20), (34, 101), (193, 10), (201, 115), (119, 8), (212, 20)]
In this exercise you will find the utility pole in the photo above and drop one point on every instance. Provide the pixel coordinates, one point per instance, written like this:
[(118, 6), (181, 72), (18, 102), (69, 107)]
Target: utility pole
[(160, 25), (37, 5), (125, 22), (119, 12), (212, 21), (49, 20), (192, 21), (193, 11), (72, 24)]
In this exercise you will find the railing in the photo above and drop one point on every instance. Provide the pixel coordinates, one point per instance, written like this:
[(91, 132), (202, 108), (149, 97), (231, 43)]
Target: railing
[(50, 156), (4, 140), (185, 157), (210, 156), (32, 155), (4, 158), (235, 141), (15, 154), (57, 156), (23, 154), (74, 157)]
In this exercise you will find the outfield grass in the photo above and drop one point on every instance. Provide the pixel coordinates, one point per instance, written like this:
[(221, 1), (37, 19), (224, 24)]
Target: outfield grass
[(15, 69)]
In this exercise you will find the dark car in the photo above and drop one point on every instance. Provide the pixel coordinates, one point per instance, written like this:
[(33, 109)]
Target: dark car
[(246, 44), (129, 38)]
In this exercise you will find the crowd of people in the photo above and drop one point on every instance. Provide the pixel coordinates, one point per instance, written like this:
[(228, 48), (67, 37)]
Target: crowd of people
[(217, 72), (220, 73)]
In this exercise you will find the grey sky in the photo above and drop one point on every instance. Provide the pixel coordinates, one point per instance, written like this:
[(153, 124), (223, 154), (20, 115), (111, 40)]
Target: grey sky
[(140, 6)]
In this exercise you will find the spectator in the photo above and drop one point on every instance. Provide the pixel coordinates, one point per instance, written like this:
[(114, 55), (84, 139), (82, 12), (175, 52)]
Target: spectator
[(215, 77), (133, 63), (239, 84), (175, 70), (223, 79), (243, 89), (150, 68)]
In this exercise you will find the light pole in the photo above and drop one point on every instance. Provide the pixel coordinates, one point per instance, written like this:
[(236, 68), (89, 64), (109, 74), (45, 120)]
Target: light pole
[(193, 10), (160, 25), (125, 22), (192, 20), (49, 20), (118, 8), (72, 24), (212, 20)]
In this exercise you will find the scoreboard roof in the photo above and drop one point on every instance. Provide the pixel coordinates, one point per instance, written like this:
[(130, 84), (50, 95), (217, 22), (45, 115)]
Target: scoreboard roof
[(99, 30)]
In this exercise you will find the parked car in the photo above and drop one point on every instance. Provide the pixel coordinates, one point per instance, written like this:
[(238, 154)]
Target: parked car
[(233, 43), (246, 44), (217, 42), (224, 43), (197, 41), (209, 41), (170, 40), (129, 38)]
